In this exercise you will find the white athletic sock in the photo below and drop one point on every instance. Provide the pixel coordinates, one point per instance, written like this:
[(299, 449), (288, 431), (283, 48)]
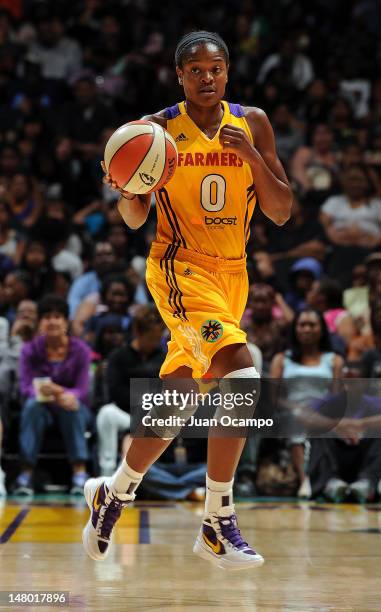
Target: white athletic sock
[(125, 479), (218, 494)]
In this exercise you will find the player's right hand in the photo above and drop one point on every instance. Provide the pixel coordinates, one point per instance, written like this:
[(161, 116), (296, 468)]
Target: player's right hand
[(108, 180)]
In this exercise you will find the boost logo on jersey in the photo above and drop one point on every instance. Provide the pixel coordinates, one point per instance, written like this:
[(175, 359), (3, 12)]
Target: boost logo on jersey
[(211, 330), (220, 220)]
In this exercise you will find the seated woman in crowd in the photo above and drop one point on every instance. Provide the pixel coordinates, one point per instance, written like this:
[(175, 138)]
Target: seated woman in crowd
[(326, 296), (310, 367), (352, 223), (54, 382), (315, 167), (354, 217)]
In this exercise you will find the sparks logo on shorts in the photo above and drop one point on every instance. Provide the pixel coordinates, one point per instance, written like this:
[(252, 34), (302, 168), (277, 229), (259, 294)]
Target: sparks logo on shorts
[(211, 330)]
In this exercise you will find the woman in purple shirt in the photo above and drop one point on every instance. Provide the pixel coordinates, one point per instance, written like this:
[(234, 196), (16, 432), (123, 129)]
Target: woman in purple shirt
[(54, 381)]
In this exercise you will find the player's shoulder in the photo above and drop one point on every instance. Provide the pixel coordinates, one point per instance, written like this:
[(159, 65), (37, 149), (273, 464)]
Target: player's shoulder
[(257, 120), (255, 115), (254, 112), (160, 117)]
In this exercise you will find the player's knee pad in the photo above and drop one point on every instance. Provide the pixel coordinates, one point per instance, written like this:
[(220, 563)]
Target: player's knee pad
[(240, 391), (166, 422)]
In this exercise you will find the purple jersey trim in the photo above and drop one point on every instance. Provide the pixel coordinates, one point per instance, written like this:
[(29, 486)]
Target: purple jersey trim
[(236, 110), (172, 111)]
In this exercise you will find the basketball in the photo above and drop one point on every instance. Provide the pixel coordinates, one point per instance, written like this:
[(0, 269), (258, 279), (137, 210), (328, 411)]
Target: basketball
[(141, 156)]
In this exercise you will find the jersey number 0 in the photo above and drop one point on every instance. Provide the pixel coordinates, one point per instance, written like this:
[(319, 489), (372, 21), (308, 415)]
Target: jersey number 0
[(213, 191)]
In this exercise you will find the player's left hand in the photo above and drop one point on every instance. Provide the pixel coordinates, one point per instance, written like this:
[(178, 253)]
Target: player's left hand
[(232, 137)]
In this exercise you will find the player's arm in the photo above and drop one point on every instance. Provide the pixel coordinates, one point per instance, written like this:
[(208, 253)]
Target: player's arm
[(271, 184), (134, 209)]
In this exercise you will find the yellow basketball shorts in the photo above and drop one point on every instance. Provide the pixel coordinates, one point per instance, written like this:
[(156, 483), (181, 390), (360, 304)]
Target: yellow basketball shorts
[(201, 300)]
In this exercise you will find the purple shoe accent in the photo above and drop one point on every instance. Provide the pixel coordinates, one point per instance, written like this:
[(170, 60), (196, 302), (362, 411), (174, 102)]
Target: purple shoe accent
[(230, 531), (98, 502), (172, 111), (210, 533), (210, 538), (111, 515), (236, 109), (102, 546)]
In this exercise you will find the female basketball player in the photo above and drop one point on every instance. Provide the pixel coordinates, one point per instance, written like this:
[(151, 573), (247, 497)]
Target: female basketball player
[(196, 272)]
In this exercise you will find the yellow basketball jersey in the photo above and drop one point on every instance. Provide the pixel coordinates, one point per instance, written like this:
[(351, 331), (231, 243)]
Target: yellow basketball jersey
[(208, 204)]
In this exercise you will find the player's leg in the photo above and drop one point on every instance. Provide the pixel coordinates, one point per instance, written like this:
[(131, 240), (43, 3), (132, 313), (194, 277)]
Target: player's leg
[(106, 497), (219, 540)]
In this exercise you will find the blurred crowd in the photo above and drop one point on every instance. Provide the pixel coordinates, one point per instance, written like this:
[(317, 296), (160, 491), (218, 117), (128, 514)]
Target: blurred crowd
[(70, 73)]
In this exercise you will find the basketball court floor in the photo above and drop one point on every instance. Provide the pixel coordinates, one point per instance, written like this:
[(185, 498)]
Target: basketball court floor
[(318, 558)]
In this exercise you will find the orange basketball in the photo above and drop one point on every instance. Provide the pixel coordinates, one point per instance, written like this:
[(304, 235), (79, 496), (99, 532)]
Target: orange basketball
[(141, 156)]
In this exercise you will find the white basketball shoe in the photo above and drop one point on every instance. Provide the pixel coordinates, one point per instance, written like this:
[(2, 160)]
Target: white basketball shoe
[(220, 542), (106, 506)]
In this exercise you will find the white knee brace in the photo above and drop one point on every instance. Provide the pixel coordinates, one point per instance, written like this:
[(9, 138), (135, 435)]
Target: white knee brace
[(240, 389)]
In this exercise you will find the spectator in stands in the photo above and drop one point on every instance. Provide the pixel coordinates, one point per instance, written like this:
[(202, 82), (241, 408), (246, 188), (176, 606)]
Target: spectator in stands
[(348, 467), (141, 358), (38, 266), (63, 363), (304, 236), (264, 330), (315, 105), (25, 200), (23, 330), (352, 223), (59, 56), (10, 161), (84, 119), (17, 287), (288, 133), (291, 68), (11, 242), (303, 273), (371, 361), (310, 366), (341, 120), (110, 336), (354, 217), (353, 155), (315, 167), (326, 296), (88, 284), (6, 266), (54, 229), (117, 295)]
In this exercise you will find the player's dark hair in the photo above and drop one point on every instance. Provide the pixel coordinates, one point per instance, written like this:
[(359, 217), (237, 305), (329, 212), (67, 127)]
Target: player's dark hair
[(199, 37), (325, 345), (52, 303)]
